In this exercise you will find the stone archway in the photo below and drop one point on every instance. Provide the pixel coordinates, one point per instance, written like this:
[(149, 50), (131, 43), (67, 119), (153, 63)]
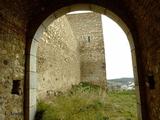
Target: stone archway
[(31, 75)]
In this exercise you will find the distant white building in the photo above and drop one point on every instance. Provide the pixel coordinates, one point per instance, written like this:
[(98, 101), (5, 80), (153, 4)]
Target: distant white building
[(124, 87)]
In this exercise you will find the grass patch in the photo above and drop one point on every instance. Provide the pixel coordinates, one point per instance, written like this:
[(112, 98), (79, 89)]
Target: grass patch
[(89, 102)]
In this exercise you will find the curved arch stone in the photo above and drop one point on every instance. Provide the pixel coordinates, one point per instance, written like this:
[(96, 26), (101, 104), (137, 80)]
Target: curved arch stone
[(34, 44)]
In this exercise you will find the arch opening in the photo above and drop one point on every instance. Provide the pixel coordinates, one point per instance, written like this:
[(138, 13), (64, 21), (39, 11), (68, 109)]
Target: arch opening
[(32, 73)]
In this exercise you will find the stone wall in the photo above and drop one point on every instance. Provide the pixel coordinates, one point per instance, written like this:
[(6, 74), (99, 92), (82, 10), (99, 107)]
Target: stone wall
[(58, 59), (12, 60), (87, 28), (70, 54), (142, 18)]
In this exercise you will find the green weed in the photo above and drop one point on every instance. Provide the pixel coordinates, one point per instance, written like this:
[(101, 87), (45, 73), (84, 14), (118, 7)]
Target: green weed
[(89, 102)]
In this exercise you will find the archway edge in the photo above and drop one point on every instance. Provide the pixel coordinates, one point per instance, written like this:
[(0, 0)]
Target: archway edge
[(31, 50), (76, 7)]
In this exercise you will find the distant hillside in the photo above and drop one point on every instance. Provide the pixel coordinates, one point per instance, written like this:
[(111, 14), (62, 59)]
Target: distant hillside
[(120, 83), (121, 80)]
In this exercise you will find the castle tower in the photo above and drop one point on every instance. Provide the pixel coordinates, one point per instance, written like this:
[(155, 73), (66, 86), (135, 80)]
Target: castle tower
[(87, 28)]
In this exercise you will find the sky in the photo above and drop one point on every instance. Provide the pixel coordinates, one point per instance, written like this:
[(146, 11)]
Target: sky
[(117, 49)]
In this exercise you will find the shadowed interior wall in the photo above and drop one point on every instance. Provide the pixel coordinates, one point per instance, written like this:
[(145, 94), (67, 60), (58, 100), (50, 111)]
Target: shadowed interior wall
[(58, 59), (12, 64), (87, 28)]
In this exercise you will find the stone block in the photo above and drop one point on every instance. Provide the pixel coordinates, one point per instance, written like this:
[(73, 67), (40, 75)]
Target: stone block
[(2, 117), (34, 47), (33, 80), (33, 62), (80, 7), (33, 97), (41, 29), (32, 112), (62, 11), (97, 9), (48, 21)]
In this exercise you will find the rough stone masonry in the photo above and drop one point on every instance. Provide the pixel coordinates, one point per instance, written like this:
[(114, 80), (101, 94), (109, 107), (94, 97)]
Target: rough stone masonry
[(87, 28), (71, 51), (19, 20)]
